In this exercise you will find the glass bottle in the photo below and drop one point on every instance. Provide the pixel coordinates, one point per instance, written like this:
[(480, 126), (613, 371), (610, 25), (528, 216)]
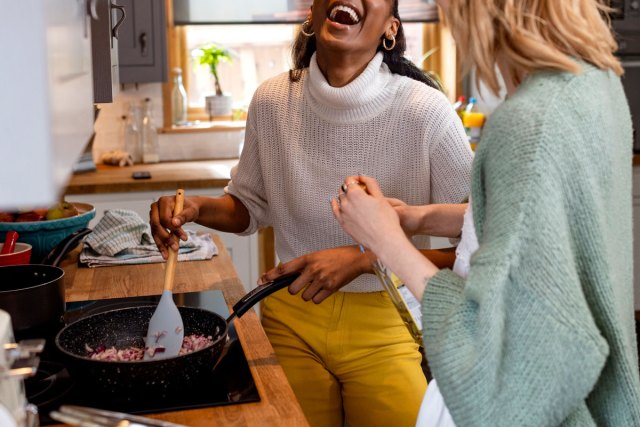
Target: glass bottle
[(473, 121), (406, 304), (150, 151), (122, 132), (458, 106), (178, 100), (133, 133)]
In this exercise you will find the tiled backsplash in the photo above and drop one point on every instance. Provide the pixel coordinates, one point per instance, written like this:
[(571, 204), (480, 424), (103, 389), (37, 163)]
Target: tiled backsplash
[(172, 146), (109, 123)]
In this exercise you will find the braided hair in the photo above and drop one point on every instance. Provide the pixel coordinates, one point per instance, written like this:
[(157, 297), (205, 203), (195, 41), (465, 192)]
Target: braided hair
[(304, 47)]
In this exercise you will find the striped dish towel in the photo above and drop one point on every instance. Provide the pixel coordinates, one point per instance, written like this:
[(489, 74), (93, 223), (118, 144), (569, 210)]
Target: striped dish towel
[(122, 237)]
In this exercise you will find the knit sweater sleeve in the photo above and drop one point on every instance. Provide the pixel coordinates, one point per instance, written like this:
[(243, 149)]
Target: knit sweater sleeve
[(246, 177), (504, 342)]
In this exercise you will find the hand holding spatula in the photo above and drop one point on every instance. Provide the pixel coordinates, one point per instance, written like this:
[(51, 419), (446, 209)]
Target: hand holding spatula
[(166, 330)]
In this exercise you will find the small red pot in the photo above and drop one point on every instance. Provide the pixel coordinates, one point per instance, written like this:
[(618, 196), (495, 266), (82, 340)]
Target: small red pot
[(20, 255)]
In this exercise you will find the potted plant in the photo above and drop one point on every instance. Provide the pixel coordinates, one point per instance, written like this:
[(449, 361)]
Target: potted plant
[(212, 55)]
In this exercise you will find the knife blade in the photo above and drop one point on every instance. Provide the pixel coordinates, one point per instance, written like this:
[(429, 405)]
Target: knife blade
[(80, 410)]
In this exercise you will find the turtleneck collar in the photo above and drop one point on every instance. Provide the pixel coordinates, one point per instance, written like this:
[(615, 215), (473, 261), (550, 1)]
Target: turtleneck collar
[(362, 99)]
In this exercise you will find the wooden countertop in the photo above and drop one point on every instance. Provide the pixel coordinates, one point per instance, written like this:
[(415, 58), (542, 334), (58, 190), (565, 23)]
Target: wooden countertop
[(278, 405), (164, 176)]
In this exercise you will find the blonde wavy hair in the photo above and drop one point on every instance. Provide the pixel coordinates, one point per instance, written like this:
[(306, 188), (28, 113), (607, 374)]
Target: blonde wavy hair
[(532, 35)]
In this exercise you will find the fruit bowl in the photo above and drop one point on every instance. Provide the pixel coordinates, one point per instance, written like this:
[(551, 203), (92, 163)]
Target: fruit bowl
[(45, 235)]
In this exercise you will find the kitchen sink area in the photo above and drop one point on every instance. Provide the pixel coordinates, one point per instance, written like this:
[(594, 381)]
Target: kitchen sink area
[(202, 141)]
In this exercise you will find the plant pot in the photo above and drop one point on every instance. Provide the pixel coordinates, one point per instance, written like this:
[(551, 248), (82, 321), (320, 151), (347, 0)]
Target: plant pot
[(218, 105)]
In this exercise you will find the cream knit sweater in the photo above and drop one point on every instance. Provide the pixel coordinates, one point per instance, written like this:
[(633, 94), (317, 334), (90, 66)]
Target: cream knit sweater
[(303, 138)]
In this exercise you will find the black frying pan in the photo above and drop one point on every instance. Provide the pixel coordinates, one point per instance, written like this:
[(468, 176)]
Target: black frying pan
[(127, 327)]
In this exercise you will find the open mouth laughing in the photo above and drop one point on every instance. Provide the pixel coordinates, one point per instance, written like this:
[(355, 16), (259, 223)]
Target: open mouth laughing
[(344, 14)]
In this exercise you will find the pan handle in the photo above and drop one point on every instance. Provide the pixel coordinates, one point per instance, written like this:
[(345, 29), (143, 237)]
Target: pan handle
[(64, 247), (261, 292)]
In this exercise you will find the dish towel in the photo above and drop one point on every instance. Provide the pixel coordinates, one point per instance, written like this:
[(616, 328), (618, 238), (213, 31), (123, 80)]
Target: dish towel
[(122, 237)]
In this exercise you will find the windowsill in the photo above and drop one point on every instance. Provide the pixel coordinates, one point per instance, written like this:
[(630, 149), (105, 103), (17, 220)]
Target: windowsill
[(207, 126)]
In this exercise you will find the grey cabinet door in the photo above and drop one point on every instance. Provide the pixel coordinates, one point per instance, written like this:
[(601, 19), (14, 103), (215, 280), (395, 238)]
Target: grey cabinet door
[(142, 42), (104, 50)]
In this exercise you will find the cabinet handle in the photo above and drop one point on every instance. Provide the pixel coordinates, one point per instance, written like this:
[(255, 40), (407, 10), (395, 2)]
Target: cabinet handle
[(92, 9), (143, 44), (90, 13), (114, 30)]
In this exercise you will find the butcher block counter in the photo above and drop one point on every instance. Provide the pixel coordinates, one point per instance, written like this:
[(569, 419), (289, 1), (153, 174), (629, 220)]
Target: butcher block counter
[(164, 176), (278, 405)]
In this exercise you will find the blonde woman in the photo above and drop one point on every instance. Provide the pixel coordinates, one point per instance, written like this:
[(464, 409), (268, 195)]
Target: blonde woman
[(540, 331)]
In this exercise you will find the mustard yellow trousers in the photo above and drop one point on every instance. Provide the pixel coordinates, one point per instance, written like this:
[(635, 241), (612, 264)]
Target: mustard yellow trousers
[(349, 358)]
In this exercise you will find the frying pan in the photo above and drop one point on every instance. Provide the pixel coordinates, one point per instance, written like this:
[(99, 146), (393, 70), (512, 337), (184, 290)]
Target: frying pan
[(33, 294), (126, 327)]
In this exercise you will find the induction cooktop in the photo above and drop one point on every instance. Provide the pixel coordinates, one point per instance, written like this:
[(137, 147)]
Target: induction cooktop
[(230, 383)]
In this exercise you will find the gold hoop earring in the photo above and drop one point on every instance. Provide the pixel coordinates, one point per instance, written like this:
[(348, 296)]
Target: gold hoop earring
[(393, 43), (308, 24)]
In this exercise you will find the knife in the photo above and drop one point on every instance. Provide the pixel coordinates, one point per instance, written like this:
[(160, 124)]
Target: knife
[(86, 412)]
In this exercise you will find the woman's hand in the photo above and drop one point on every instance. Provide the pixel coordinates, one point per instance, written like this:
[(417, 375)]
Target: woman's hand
[(166, 228), (369, 218), (323, 272)]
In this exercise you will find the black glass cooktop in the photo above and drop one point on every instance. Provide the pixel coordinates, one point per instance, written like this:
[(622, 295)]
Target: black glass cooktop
[(230, 383)]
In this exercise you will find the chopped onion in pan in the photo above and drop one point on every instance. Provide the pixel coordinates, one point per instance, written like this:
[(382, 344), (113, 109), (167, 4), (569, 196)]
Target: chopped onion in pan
[(190, 343)]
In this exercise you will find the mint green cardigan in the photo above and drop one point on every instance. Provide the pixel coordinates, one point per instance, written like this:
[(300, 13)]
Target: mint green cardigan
[(542, 330)]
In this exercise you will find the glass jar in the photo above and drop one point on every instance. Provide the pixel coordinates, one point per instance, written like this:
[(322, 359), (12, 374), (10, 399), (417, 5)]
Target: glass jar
[(150, 149), (133, 133)]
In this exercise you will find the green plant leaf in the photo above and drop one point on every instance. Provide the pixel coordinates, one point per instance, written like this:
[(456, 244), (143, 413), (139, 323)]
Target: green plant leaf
[(211, 55)]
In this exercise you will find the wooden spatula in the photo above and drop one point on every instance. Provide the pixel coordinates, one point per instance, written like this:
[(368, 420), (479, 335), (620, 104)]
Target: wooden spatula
[(166, 331)]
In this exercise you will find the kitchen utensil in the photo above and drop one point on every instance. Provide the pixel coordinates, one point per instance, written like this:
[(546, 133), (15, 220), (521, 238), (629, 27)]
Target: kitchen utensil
[(75, 414), (127, 326), (9, 242), (33, 294), (43, 236), (20, 255), (166, 330)]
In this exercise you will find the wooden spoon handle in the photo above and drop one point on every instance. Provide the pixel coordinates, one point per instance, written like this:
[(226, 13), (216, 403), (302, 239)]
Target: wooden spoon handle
[(172, 259)]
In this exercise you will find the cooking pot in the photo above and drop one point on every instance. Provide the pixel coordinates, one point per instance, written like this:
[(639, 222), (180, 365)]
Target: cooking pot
[(127, 327), (33, 294)]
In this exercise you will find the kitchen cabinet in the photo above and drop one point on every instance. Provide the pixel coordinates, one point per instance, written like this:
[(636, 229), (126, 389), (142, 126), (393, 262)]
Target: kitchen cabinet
[(104, 46), (46, 113), (142, 45)]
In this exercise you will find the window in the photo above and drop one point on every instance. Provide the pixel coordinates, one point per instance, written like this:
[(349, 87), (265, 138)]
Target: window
[(259, 52)]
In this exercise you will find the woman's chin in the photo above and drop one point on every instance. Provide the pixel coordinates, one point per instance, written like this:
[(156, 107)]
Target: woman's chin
[(338, 40)]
